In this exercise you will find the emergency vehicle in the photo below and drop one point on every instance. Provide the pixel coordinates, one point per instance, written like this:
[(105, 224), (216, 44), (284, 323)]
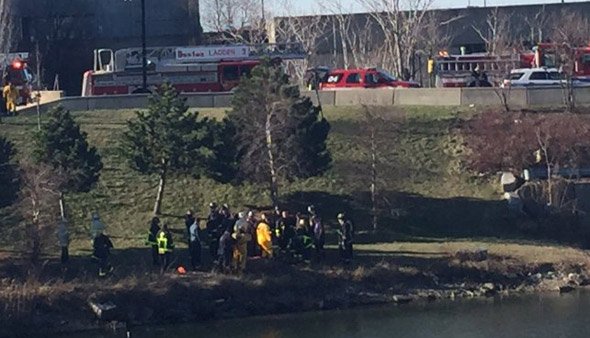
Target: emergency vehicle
[(216, 68), (15, 69), (545, 56), (362, 78), (457, 70)]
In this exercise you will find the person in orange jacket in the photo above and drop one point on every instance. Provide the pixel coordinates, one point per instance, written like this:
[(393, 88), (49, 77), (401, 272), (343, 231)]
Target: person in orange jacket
[(264, 237)]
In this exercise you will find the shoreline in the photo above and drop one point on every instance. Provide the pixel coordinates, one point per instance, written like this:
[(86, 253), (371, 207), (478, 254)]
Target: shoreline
[(273, 289)]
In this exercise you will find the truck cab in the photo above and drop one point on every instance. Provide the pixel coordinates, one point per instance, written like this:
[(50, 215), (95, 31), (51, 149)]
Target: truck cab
[(363, 78)]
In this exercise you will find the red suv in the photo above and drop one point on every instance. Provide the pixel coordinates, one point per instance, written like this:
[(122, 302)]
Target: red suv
[(363, 78)]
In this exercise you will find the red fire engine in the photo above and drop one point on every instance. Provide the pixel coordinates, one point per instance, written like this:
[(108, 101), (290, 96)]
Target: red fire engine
[(216, 68), (545, 56), (15, 69), (457, 70)]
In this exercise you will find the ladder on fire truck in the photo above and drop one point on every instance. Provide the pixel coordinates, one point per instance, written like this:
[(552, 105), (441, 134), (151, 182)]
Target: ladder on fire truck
[(107, 60), (486, 63), (458, 68)]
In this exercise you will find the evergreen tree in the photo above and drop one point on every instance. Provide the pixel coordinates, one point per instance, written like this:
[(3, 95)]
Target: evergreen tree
[(278, 133), (8, 173), (168, 138), (62, 145)]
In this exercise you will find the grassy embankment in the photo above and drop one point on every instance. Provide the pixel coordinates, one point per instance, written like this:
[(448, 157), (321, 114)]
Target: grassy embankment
[(432, 209), (423, 184)]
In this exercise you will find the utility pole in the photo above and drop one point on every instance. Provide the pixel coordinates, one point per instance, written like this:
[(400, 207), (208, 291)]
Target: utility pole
[(143, 49)]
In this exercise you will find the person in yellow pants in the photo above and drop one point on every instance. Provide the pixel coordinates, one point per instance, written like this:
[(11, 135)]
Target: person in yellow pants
[(264, 237), (10, 95), (241, 237)]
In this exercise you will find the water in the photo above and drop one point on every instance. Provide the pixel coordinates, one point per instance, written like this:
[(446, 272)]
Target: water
[(552, 315)]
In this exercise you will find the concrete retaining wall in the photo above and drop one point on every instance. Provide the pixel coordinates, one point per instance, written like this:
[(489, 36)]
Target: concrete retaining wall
[(428, 97), (370, 97), (517, 98), (327, 98)]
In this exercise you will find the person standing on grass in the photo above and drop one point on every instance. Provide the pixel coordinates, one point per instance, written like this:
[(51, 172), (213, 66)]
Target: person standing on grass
[(102, 250), (195, 244), (10, 95), (151, 240), (96, 226), (225, 250), (318, 232), (165, 246), (63, 238), (189, 219), (241, 236), (345, 233), (264, 236)]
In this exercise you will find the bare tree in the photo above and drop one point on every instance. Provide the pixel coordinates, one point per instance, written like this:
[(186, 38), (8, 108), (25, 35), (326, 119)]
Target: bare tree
[(8, 27), (401, 24), (310, 31), (381, 125), (496, 32), (237, 20), (536, 25), (570, 32), (39, 205)]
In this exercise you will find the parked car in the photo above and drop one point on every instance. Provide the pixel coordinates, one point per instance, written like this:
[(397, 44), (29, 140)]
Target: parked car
[(538, 77), (363, 78)]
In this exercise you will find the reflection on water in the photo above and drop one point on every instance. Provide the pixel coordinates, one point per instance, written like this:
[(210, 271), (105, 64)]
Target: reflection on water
[(550, 315)]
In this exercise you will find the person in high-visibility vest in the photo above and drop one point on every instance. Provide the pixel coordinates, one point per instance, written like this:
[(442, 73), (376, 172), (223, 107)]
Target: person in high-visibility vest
[(264, 237), (151, 240), (10, 95), (165, 246), (431, 71)]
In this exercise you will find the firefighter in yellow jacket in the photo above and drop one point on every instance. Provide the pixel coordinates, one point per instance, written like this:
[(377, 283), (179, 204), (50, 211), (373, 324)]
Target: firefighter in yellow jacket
[(10, 95), (264, 237)]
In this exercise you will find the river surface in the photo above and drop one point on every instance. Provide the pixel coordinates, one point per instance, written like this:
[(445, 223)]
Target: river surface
[(549, 315)]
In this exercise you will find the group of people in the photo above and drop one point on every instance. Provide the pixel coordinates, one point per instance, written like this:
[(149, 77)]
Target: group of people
[(232, 238)]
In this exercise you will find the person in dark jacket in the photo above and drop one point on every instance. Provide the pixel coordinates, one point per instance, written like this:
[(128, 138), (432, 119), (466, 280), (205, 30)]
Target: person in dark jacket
[(215, 228), (225, 251), (102, 248), (189, 219), (317, 231), (345, 234), (195, 245), (151, 240)]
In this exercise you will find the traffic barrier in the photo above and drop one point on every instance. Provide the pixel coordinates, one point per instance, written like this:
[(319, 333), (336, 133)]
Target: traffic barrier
[(371, 97), (517, 98), (427, 97), (327, 97)]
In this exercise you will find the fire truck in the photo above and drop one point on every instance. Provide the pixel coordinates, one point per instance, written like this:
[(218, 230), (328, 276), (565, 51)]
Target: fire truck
[(15, 69), (545, 55), (457, 70), (215, 68)]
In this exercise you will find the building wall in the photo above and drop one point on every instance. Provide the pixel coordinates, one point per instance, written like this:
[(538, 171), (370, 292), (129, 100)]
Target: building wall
[(67, 31), (461, 28)]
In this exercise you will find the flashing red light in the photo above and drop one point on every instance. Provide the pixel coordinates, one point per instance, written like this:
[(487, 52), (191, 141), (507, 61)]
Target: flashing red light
[(17, 65)]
